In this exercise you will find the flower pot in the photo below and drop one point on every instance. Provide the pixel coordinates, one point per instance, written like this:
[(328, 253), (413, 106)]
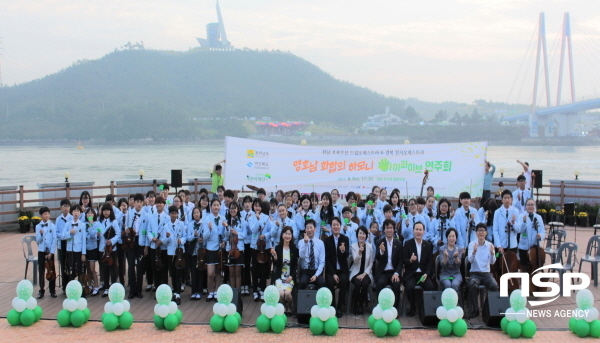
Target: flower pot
[(35, 223), (592, 220), (24, 227), (569, 221), (582, 221)]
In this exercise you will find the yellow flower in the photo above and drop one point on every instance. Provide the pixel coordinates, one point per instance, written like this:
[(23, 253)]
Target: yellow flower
[(36, 218), (23, 218)]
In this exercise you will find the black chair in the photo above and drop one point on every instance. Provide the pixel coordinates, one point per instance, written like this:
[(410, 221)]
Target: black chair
[(592, 256), (567, 256), (558, 237)]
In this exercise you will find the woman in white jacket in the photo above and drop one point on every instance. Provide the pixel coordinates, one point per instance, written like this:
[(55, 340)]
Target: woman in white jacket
[(360, 273)]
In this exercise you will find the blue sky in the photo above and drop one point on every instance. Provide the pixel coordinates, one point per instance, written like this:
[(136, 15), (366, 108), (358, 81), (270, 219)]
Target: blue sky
[(438, 50)]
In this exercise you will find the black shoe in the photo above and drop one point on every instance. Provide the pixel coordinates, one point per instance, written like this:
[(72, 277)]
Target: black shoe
[(53, 294), (338, 313), (140, 295), (411, 313), (131, 296), (40, 294), (474, 314)]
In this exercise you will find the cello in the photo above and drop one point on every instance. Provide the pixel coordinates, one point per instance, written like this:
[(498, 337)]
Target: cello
[(234, 251), (425, 178), (537, 258), (507, 263)]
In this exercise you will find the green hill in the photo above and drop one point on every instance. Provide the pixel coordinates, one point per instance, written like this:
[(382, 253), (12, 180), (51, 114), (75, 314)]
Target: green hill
[(137, 94)]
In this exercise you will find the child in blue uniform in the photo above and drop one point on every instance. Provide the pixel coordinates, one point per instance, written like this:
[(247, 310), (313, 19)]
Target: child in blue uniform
[(45, 236)]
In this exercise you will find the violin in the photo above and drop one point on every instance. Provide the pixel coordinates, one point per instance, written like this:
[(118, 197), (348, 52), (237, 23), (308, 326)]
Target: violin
[(107, 257), (234, 251), (179, 258), (83, 280), (129, 240), (263, 255), (157, 258), (201, 255), (50, 270)]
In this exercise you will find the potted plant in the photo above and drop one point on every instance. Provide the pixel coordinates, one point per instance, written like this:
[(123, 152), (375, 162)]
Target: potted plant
[(593, 214), (35, 220), (582, 218), (24, 224), (542, 212)]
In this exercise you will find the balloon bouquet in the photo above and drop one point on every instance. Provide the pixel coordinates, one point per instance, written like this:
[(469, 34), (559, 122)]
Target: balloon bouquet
[(225, 313), (166, 313), (75, 311), (272, 316), (450, 315), (516, 321), (116, 311), (585, 317), (25, 309), (323, 317), (383, 320)]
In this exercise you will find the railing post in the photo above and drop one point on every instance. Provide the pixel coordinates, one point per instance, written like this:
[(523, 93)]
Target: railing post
[(195, 190), (21, 197), (562, 193), (112, 187), (154, 186), (68, 191)]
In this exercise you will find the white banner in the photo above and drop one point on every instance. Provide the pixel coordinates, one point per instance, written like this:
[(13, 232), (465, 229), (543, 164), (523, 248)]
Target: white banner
[(452, 168)]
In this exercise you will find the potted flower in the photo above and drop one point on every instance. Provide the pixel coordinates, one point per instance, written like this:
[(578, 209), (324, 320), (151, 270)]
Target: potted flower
[(24, 224), (35, 220), (542, 212), (582, 218)]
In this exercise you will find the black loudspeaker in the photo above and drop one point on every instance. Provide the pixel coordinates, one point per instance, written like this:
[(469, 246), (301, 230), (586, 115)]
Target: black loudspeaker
[(494, 308), (569, 209), (431, 301), (237, 300), (306, 300), (538, 178), (176, 178)]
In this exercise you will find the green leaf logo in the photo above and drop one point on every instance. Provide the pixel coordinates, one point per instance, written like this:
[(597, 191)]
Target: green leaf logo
[(268, 176), (384, 164)]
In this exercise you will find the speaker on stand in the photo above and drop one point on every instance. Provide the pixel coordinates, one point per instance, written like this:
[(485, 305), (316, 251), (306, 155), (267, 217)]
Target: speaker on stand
[(538, 177), (176, 178)]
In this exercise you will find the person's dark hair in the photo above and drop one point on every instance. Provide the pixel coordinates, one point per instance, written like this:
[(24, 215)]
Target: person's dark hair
[(430, 188), (451, 230), (160, 200), (228, 217), (284, 230), (521, 178), (310, 221), (395, 191), (76, 207), (107, 207), (261, 191), (204, 197), (150, 194), (350, 195), (443, 201), (173, 209), (337, 219), (186, 192), (203, 191), (138, 197), (480, 226), (389, 222), (122, 200), (464, 195), (373, 189), (247, 198), (295, 191), (165, 186), (109, 197), (386, 208), (229, 194), (363, 229), (94, 214), (280, 193), (346, 209), (43, 210), (221, 188), (218, 167), (507, 191), (421, 201), (65, 201), (212, 202), (82, 196), (419, 222), (490, 205)]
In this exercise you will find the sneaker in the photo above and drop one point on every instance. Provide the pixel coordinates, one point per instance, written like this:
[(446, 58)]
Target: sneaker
[(53, 294), (256, 296), (262, 296), (95, 292), (182, 288), (209, 297), (198, 296), (215, 297), (40, 294), (148, 288), (177, 299), (105, 294)]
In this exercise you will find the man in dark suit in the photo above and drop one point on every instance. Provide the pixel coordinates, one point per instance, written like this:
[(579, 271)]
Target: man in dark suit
[(337, 250), (418, 265), (388, 268)]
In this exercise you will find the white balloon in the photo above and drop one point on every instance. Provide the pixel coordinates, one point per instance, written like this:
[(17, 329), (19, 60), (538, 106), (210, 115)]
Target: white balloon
[(65, 302), (388, 316), (510, 314), (216, 308), (377, 312), (71, 305), (331, 311), (172, 307), (118, 309), (441, 312), (460, 312), (395, 312), (19, 304), (31, 303), (163, 311), (521, 316), (452, 315), (323, 313), (263, 307), (314, 311), (81, 304), (126, 305), (231, 309), (279, 309), (108, 308), (591, 315), (156, 309), (221, 310), (270, 311)]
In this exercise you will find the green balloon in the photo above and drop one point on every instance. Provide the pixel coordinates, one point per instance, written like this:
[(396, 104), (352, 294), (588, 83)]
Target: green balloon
[(324, 297), (225, 294), (371, 321), (13, 317), (284, 317), (445, 328), (529, 328), (514, 329), (277, 324), (63, 318), (331, 326), (126, 320), (87, 313), (263, 323), (77, 318), (504, 324), (394, 328), (459, 327), (595, 328), (110, 322), (171, 322), (316, 326), (179, 315), (159, 322), (216, 323), (38, 313), (572, 324), (102, 316), (164, 294), (582, 328), (239, 318), (271, 295), (231, 323), (27, 317), (386, 298), (24, 289), (380, 328), (74, 290)]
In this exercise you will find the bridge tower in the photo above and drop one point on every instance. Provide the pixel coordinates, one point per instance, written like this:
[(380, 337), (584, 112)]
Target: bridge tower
[(566, 123), (541, 49)]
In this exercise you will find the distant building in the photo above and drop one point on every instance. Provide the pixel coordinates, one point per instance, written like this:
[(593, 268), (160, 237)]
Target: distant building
[(215, 34), (382, 120)]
